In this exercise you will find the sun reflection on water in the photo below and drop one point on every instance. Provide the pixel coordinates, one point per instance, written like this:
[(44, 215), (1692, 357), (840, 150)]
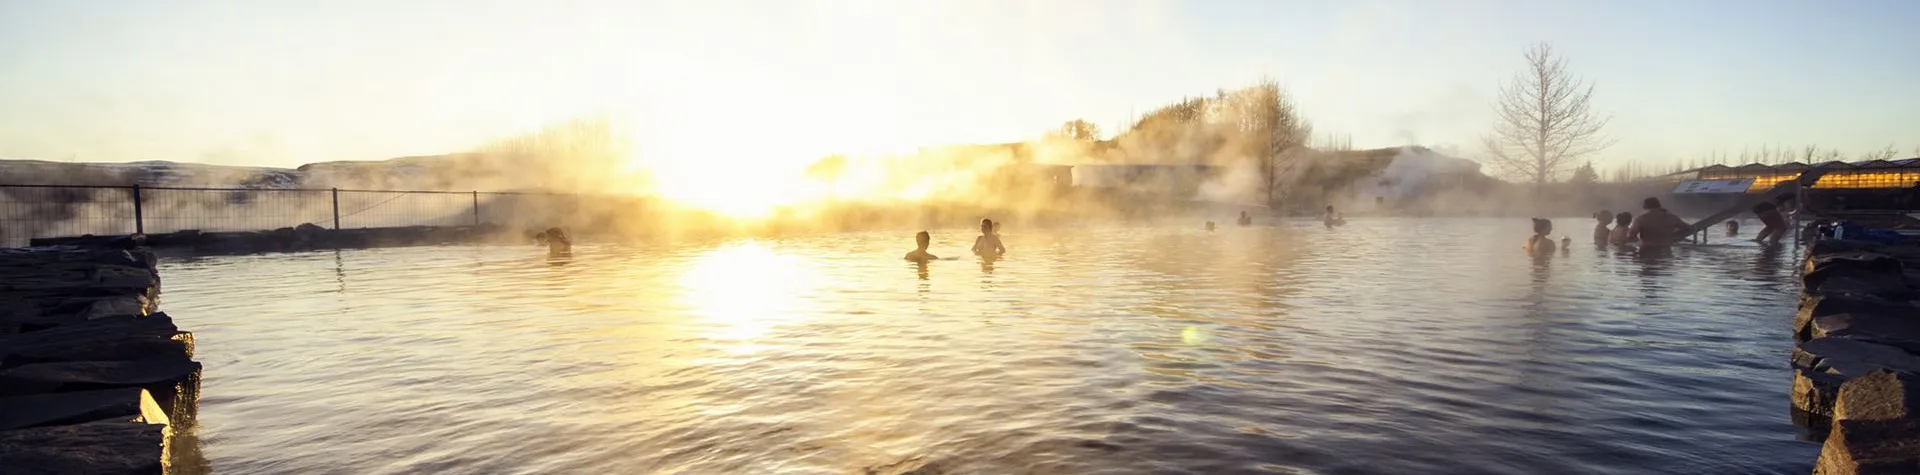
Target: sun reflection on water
[(742, 291)]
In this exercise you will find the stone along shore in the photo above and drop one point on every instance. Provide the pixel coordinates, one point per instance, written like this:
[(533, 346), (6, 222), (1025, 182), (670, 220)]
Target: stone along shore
[(1856, 368), (92, 378)]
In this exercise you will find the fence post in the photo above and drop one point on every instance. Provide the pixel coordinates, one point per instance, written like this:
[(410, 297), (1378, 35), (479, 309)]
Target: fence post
[(336, 209), (139, 213), (476, 207)]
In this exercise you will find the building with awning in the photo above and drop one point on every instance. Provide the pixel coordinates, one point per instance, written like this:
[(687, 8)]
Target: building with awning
[(1859, 185), (1872, 174)]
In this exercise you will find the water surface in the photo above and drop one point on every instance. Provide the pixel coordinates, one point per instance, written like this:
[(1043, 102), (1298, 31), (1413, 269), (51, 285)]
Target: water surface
[(1387, 346)]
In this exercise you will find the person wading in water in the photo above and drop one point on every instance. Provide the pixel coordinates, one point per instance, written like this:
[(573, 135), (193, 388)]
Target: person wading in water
[(1657, 228), (988, 244), (920, 254)]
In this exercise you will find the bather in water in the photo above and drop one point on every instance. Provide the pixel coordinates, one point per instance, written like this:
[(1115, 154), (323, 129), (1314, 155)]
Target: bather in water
[(1540, 242), (1600, 232), (1657, 227), (920, 255), (1622, 224), (988, 244), (555, 239), (1332, 219), (1773, 223)]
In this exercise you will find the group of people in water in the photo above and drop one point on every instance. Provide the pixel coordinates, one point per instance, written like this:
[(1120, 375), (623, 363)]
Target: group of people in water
[(1331, 219), (1656, 229), (987, 245)]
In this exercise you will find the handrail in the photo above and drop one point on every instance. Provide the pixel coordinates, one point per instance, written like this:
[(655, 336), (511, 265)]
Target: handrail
[(1806, 179)]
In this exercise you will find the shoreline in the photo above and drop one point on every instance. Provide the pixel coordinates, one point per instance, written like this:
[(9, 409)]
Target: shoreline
[(93, 377), (1857, 354)]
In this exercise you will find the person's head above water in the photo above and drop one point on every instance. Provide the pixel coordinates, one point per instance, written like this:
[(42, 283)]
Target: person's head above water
[(1623, 219), (1602, 216), (1651, 203), (986, 226), (1542, 226), (923, 239), (1329, 208)]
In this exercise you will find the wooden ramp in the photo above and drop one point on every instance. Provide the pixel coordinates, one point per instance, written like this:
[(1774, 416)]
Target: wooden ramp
[(1806, 178)]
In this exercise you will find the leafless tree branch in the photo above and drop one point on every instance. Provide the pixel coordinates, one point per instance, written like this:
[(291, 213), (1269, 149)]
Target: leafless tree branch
[(1545, 120)]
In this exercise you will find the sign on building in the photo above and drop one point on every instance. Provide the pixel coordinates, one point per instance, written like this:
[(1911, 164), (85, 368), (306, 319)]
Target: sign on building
[(1735, 185)]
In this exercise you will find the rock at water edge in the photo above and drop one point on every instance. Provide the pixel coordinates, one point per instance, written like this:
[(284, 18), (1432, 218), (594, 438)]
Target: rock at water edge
[(104, 447), (1876, 426)]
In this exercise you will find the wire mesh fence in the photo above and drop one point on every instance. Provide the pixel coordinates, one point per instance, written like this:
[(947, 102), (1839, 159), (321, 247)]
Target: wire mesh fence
[(165, 210), (37, 211), (383, 209)]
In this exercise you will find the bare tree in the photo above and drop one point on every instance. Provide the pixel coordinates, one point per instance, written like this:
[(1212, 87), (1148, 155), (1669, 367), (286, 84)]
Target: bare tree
[(1278, 131), (1078, 129), (1546, 120), (1332, 142), (1881, 154)]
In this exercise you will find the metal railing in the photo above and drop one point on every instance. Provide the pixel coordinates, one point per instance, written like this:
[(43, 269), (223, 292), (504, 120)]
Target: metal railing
[(36, 211)]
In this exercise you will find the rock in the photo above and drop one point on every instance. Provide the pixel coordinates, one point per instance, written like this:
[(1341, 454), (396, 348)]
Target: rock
[(163, 375), (122, 338), (1815, 306), (104, 447), (1901, 330), (183, 237), (116, 306), (1858, 259), (1821, 365), (1813, 395), (123, 277), (1894, 457), (1876, 426), (309, 228), (1857, 278), (1851, 357), (131, 241), (39, 410)]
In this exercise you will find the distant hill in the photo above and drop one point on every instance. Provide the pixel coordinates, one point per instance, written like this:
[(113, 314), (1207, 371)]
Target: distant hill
[(432, 172), (148, 173)]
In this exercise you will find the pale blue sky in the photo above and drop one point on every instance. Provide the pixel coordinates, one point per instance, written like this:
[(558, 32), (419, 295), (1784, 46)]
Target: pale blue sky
[(282, 83)]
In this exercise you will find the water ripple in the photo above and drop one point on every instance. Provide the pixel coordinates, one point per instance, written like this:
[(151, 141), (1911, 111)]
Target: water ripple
[(1387, 346)]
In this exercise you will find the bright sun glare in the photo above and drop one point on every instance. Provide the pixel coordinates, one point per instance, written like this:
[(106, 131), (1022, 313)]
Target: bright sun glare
[(700, 149), (741, 291)]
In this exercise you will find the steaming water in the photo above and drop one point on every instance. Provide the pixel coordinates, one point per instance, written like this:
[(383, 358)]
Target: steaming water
[(1388, 346)]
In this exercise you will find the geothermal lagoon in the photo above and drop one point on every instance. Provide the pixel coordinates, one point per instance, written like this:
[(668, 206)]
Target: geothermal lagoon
[(1387, 346)]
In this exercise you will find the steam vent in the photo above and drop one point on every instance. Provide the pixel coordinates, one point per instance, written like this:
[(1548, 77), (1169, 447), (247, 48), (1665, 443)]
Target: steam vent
[(92, 378)]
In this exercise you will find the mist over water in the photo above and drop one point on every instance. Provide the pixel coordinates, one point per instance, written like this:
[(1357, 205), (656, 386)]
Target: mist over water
[(1386, 346)]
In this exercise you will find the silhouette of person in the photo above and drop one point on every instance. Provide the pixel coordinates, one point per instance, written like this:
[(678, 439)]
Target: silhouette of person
[(988, 244), (920, 254)]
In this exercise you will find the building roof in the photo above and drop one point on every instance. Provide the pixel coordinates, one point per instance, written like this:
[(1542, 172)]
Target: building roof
[(1797, 166)]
